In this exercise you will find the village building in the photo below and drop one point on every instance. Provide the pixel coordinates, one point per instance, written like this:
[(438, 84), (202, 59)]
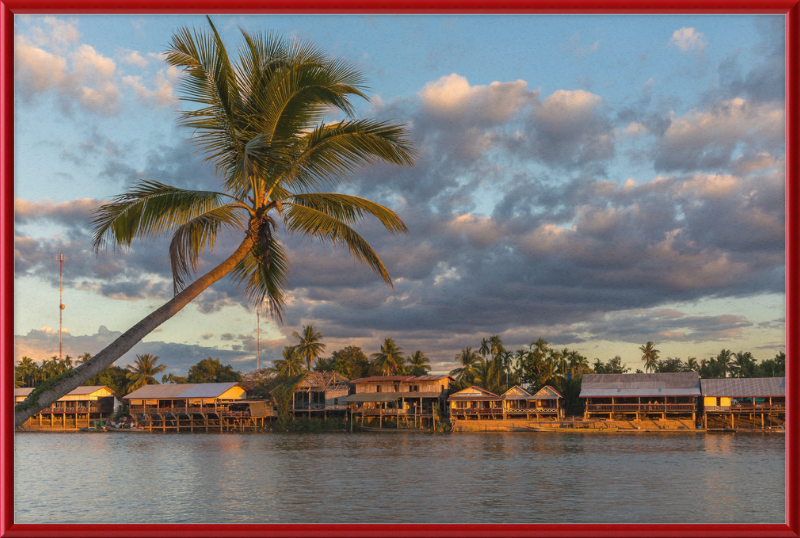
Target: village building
[(638, 396), (320, 393), (196, 406), (747, 403), (475, 403), (546, 403), (403, 398), (78, 409)]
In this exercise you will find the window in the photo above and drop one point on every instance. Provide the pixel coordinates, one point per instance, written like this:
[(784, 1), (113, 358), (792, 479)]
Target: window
[(378, 389), (413, 388)]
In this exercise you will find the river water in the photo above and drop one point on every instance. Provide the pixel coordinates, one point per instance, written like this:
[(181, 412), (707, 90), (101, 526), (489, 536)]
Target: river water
[(399, 478)]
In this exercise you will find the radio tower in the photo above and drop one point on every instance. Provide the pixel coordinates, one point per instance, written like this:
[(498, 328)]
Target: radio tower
[(60, 299), (258, 335)]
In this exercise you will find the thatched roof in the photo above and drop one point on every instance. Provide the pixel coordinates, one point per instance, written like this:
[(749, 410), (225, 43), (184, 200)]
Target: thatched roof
[(672, 384), (744, 388), (321, 381)]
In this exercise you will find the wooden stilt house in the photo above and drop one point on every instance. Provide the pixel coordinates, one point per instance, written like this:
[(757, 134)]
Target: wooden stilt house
[(625, 396), (475, 403), (192, 406), (320, 393), (402, 398), (749, 403), (76, 410), (547, 403)]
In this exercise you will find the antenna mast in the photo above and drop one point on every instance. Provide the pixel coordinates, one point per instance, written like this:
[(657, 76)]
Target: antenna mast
[(60, 299), (258, 335)]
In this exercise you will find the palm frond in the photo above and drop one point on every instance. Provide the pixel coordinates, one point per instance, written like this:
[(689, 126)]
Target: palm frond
[(350, 209), (327, 229), (330, 153), (150, 209), (264, 280), (192, 238)]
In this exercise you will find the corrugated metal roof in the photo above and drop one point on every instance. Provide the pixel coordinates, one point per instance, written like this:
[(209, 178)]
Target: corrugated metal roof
[(473, 398), (516, 393), (672, 384), (180, 390), (591, 393), (25, 391), (747, 387), (432, 377), (546, 393), (373, 379), (371, 397), (208, 390)]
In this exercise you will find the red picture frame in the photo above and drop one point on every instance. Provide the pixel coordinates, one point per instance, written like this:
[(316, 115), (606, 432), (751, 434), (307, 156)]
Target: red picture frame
[(789, 8)]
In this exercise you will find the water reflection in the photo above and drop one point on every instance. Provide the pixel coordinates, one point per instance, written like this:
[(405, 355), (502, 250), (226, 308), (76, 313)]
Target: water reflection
[(399, 477)]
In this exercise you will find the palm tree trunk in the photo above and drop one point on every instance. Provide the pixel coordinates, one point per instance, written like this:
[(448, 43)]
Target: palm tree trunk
[(133, 336)]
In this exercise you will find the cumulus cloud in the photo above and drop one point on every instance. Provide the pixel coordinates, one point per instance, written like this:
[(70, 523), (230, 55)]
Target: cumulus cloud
[(707, 139), (134, 58), (161, 94), (687, 39)]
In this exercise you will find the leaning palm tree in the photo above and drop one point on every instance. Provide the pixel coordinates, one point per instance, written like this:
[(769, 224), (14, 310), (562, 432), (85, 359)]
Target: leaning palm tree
[(309, 344), (419, 363), (143, 371), (390, 360), (259, 120), (649, 356)]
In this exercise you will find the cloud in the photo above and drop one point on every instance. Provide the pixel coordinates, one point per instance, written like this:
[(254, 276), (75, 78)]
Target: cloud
[(707, 140), (134, 58), (88, 84), (161, 94), (573, 47), (687, 39)]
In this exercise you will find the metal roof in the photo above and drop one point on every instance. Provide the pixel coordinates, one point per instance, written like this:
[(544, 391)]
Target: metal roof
[(432, 377), (546, 393), (471, 396), (524, 395), (747, 387), (371, 397), (672, 384), (25, 391), (373, 379), (180, 390)]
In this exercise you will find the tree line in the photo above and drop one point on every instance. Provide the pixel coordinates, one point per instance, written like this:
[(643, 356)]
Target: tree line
[(28, 373)]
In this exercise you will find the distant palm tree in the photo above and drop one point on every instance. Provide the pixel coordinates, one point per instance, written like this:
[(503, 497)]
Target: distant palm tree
[(143, 371), (487, 374), (692, 363), (390, 360), (419, 363), (84, 358), (485, 348), (725, 363), (742, 364), (649, 356), (468, 360), (290, 365), (309, 344)]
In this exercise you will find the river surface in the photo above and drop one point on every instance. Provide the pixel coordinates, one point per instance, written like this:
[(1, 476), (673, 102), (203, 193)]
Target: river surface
[(399, 478)]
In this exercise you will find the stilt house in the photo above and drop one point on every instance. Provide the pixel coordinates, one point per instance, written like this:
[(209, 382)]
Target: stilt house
[(320, 392), (546, 403), (749, 403), (672, 395), (475, 403), (74, 410), (408, 397)]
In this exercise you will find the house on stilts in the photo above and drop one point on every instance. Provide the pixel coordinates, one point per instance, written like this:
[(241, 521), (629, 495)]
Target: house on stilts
[(78, 409), (746, 403), (641, 396)]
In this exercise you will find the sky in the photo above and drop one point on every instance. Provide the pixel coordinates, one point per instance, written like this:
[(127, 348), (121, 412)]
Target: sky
[(597, 181)]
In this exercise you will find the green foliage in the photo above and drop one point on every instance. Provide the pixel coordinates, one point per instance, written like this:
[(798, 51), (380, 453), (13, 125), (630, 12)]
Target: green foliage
[(282, 393), (351, 362), (312, 425), (121, 412), (33, 398), (211, 371), (390, 360), (114, 377), (613, 366), (173, 379)]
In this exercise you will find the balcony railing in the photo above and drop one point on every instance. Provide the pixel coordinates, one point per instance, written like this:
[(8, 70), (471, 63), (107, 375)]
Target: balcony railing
[(152, 410), (470, 411), (758, 406), (641, 408), (513, 410), (79, 409)]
